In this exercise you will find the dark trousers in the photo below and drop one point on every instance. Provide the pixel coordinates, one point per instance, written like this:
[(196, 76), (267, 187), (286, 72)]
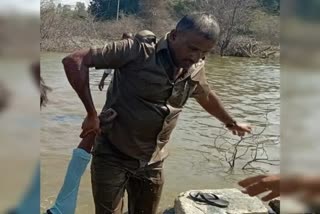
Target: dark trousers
[(112, 172)]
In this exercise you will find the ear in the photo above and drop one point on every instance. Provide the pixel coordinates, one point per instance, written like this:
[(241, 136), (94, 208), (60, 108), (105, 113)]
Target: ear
[(173, 35)]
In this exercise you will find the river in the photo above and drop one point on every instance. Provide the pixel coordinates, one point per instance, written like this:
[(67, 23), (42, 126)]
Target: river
[(248, 87)]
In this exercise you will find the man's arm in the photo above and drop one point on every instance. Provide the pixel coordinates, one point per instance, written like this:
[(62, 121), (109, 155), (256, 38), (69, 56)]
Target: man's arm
[(101, 84), (76, 66), (104, 76), (112, 55), (213, 105)]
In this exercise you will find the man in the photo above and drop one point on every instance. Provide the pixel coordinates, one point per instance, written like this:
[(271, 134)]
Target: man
[(108, 72), (148, 93), (67, 197)]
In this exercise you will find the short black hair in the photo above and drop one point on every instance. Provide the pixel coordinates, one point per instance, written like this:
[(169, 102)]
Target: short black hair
[(202, 23)]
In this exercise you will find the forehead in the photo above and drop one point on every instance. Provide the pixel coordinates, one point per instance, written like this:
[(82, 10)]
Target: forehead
[(197, 40)]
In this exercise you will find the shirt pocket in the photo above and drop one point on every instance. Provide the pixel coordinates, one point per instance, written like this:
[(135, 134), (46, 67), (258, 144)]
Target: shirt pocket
[(181, 92)]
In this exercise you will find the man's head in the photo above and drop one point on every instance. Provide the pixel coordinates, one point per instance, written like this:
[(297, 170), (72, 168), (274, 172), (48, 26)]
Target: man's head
[(126, 36), (194, 37)]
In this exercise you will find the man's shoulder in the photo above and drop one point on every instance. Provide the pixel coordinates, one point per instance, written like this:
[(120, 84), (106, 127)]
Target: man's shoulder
[(197, 69), (146, 36), (147, 42)]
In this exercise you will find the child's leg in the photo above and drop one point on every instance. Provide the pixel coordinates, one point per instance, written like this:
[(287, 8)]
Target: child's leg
[(67, 197)]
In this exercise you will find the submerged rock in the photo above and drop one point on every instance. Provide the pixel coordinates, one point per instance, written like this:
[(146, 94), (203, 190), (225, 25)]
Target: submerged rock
[(239, 203)]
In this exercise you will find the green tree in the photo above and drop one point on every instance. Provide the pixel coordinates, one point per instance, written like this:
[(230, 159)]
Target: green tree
[(66, 10), (80, 10), (47, 5), (271, 6), (107, 9), (59, 8)]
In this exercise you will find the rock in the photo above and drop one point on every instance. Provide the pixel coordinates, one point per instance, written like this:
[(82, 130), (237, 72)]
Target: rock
[(239, 203)]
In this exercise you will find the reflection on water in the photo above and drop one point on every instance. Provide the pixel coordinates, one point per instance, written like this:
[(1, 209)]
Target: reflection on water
[(248, 87)]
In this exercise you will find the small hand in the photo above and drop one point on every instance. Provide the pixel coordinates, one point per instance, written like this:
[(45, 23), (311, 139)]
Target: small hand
[(260, 184), (90, 124)]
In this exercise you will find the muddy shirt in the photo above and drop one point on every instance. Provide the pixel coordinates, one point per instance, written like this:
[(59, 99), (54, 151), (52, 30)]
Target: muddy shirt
[(146, 96)]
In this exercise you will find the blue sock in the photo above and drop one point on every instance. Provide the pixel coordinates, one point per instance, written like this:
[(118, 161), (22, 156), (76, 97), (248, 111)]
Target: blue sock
[(67, 197), (30, 202)]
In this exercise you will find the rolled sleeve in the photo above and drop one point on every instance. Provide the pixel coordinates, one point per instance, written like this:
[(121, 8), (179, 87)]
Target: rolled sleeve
[(115, 54)]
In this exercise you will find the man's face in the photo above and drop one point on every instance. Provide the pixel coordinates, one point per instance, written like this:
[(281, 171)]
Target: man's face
[(188, 48)]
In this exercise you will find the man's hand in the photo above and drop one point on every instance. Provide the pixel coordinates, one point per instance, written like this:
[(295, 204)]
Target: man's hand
[(90, 124), (101, 85), (260, 184), (240, 129)]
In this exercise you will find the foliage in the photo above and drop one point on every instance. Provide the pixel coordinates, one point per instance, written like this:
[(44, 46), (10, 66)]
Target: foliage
[(270, 6), (107, 9)]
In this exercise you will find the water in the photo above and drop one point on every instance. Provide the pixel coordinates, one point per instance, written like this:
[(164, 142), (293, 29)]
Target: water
[(19, 131), (248, 87)]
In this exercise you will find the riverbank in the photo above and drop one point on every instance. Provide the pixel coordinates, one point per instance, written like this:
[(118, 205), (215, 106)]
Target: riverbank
[(246, 28), (240, 47)]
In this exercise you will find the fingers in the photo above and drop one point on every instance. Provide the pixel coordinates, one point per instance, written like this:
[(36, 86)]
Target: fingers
[(271, 195), (89, 137), (85, 133), (256, 189), (241, 130), (238, 133), (98, 131), (251, 180), (248, 129), (241, 134), (244, 129)]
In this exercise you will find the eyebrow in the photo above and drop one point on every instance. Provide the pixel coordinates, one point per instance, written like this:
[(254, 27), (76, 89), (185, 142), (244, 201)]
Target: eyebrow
[(196, 48)]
